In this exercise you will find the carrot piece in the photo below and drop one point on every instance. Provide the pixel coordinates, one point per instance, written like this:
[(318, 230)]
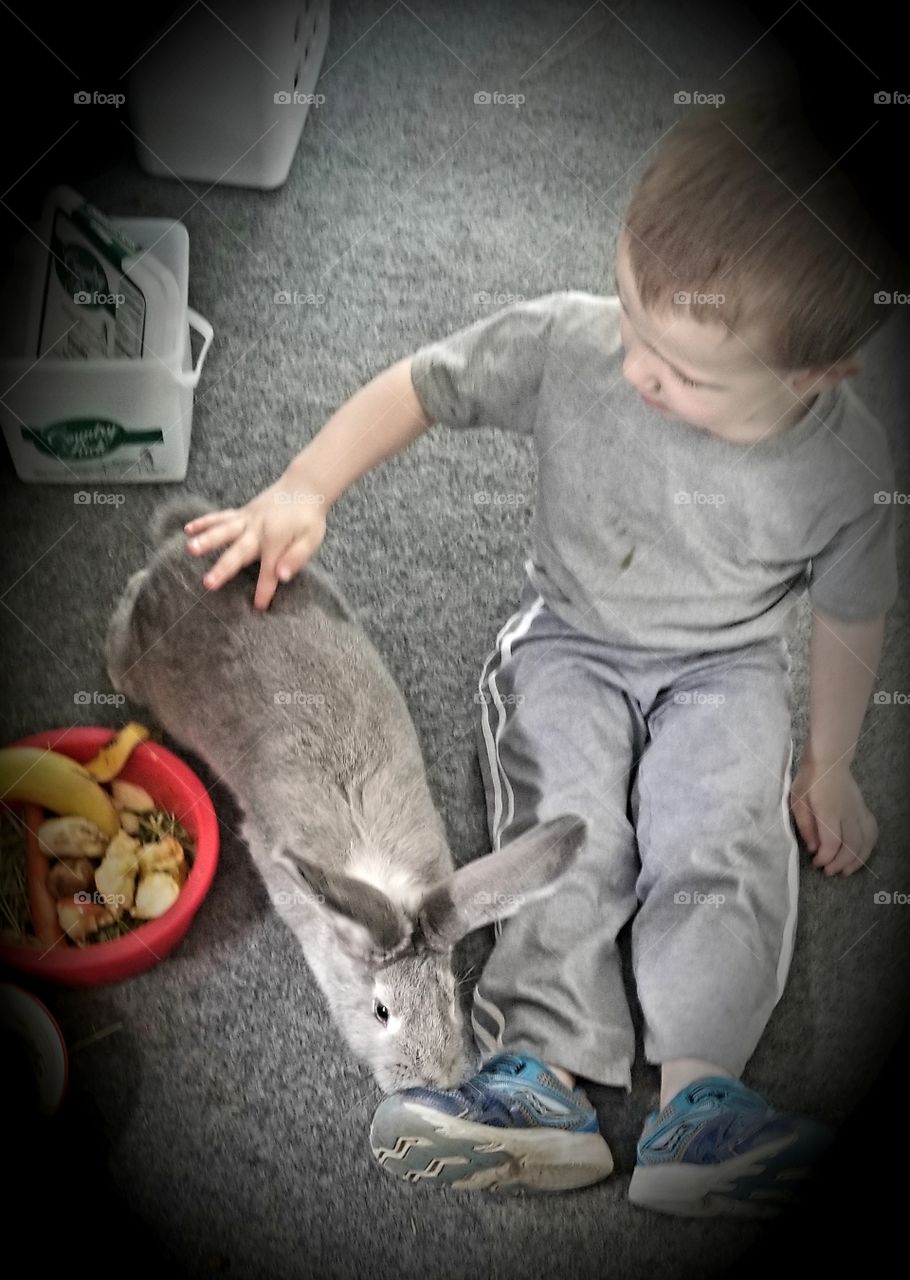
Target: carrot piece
[(110, 760), (37, 865)]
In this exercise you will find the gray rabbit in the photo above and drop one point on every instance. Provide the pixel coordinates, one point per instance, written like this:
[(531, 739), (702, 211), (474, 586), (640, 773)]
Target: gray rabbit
[(295, 711)]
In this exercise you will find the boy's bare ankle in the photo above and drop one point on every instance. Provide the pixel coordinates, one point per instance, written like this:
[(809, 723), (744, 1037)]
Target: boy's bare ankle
[(565, 1076), (679, 1073)]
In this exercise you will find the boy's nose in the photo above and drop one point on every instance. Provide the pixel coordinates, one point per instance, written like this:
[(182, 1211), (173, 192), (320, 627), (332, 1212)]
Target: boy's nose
[(635, 371)]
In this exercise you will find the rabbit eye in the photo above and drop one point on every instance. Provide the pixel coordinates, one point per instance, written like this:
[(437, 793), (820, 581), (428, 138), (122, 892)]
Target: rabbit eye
[(381, 1012)]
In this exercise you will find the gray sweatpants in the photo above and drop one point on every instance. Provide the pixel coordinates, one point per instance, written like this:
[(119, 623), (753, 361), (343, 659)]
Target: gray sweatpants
[(681, 765)]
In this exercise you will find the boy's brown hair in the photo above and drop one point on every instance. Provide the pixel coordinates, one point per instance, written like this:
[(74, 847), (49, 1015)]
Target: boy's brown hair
[(722, 210)]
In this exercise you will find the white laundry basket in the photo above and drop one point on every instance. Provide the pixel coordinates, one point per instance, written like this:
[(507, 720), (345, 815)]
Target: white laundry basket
[(71, 421), (223, 94)]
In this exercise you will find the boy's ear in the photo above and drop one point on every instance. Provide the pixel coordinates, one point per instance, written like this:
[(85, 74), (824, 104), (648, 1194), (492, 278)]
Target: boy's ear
[(809, 381), (366, 923)]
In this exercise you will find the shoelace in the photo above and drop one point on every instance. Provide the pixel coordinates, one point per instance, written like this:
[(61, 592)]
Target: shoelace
[(513, 1064), (745, 1098), (503, 1064)]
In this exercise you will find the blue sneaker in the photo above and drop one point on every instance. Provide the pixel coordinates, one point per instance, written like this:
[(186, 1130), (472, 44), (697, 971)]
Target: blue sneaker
[(512, 1127), (718, 1148)]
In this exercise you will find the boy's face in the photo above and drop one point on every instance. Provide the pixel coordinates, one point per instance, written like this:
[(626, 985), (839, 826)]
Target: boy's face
[(735, 395)]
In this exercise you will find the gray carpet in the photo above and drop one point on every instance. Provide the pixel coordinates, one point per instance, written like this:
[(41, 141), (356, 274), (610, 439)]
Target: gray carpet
[(235, 1123)]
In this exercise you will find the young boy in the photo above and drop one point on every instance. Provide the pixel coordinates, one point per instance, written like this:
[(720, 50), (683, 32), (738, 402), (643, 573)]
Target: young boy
[(701, 459)]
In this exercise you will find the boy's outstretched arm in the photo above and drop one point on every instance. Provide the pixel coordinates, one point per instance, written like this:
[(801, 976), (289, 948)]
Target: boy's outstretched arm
[(284, 526), (827, 805)]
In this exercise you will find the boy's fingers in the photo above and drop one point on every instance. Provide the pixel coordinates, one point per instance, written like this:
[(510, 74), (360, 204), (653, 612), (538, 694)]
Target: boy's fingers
[(280, 566), (266, 587), (856, 840), (267, 584), (216, 536), (293, 559), (805, 824), (244, 551), (202, 523), (830, 845), (844, 856), (853, 852), (272, 554), (868, 836)]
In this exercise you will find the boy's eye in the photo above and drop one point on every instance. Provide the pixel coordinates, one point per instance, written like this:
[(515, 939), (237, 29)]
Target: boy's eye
[(686, 382)]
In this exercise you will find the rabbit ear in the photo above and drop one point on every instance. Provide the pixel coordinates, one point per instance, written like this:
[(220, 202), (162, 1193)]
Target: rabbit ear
[(499, 884), (367, 923)]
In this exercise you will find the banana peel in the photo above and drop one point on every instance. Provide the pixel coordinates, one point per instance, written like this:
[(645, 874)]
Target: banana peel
[(57, 782), (111, 758)]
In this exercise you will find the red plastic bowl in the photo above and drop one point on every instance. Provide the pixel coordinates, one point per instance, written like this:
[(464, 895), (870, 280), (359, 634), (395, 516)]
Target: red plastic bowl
[(173, 786)]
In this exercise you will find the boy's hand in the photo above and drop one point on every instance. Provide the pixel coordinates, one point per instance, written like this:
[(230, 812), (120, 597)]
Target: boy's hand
[(282, 527), (832, 818)]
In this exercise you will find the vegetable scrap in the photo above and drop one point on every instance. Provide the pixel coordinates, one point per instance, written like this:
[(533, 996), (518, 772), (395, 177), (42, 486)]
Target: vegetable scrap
[(108, 861)]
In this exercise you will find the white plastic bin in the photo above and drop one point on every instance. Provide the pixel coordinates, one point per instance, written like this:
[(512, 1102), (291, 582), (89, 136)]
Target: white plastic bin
[(69, 421), (222, 95)]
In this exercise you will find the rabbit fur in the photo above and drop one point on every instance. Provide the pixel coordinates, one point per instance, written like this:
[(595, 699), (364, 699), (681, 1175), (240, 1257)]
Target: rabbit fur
[(293, 708)]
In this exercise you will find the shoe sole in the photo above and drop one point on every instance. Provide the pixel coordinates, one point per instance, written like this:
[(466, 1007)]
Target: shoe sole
[(705, 1191), (420, 1145)]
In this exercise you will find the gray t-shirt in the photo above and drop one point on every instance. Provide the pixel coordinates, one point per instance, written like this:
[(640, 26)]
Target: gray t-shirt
[(653, 533)]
